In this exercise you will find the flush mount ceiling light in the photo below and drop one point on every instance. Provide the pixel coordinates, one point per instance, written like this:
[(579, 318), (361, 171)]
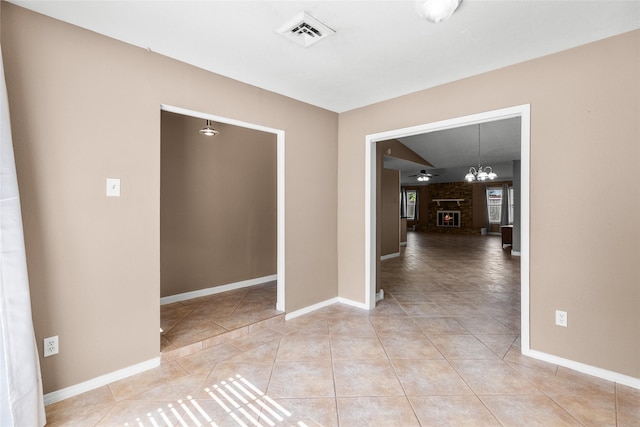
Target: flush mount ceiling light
[(483, 172), (208, 130), (436, 10), (305, 30)]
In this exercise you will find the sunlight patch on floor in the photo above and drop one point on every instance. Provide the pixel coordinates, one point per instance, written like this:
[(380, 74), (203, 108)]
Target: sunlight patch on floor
[(242, 401)]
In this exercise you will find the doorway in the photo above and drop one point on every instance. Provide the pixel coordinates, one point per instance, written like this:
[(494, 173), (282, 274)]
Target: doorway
[(522, 111), (222, 216)]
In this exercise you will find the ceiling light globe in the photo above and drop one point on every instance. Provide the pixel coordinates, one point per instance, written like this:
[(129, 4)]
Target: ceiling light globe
[(492, 175), (469, 177), (482, 175), (436, 10)]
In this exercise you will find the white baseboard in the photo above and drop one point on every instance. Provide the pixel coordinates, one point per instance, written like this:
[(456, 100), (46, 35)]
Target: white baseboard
[(403, 243), (92, 384), (326, 303), (380, 295), (311, 308), (352, 303), (585, 369), (394, 255), (515, 253), (217, 289)]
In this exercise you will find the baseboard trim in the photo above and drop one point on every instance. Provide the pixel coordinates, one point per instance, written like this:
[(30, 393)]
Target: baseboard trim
[(352, 303), (326, 303), (515, 253), (403, 243), (585, 369), (394, 255), (217, 289), (311, 308), (92, 384)]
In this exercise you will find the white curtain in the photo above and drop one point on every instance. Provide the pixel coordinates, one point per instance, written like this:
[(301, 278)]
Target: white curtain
[(21, 399)]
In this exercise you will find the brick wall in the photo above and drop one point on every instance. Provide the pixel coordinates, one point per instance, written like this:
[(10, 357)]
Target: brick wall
[(451, 190)]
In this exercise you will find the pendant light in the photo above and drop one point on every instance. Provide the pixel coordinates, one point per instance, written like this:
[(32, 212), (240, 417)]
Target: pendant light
[(208, 130)]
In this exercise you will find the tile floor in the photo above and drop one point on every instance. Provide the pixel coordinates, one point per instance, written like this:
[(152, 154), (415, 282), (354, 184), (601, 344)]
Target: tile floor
[(192, 325), (441, 349)]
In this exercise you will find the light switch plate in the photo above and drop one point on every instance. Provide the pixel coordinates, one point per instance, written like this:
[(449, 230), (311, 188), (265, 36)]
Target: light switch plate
[(113, 187)]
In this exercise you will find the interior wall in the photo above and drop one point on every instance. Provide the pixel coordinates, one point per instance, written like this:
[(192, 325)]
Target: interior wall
[(585, 104), (85, 107), (390, 211), (218, 211)]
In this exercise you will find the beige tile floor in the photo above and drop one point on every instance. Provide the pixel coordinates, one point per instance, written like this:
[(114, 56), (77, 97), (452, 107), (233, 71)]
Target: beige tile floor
[(192, 325), (441, 349)]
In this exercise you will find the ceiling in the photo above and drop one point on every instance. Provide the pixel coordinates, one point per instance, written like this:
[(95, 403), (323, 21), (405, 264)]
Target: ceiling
[(380, 50), (451, 152)]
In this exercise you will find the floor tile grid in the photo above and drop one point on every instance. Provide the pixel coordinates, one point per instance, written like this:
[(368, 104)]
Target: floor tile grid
[(197, 320), (415, 400), (489, 417), (506, 324), (378, 336), (586, 399)]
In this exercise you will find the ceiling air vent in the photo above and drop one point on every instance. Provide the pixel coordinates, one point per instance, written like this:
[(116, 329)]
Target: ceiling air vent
[(305, 30)]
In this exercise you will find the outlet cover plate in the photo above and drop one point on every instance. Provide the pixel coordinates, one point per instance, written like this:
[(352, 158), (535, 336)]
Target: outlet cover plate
[(50, 346), (561, 318)]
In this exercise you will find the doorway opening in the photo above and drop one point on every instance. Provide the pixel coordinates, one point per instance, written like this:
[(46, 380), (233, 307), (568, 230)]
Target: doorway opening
[(522, 111), (222, 227)]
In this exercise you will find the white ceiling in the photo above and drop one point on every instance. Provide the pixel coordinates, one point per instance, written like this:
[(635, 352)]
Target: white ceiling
[(381, 49)]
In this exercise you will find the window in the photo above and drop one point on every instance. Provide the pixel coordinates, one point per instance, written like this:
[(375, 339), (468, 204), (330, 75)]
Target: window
[(412, 197), (494, 204)]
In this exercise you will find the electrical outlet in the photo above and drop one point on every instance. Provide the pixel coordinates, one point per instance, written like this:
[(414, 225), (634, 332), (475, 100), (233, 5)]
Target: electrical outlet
[(561, 318), (50, 346)]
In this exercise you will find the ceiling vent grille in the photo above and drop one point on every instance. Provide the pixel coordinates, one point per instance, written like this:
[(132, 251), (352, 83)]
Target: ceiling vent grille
[(305, 30)]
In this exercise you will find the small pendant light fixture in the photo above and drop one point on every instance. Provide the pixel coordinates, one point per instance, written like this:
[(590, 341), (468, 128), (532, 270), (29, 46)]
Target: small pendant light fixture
[(208, 130), (483, 172)]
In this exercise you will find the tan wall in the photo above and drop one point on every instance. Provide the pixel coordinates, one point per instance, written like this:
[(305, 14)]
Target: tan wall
[(85, 107), (585, 105), (217, 205), (390, 211)]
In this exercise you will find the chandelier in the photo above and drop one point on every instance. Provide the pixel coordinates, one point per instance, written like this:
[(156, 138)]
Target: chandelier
[(482, 173)]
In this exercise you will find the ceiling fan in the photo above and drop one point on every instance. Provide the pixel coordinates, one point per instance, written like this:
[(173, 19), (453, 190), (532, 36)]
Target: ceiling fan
[(423, 175)]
